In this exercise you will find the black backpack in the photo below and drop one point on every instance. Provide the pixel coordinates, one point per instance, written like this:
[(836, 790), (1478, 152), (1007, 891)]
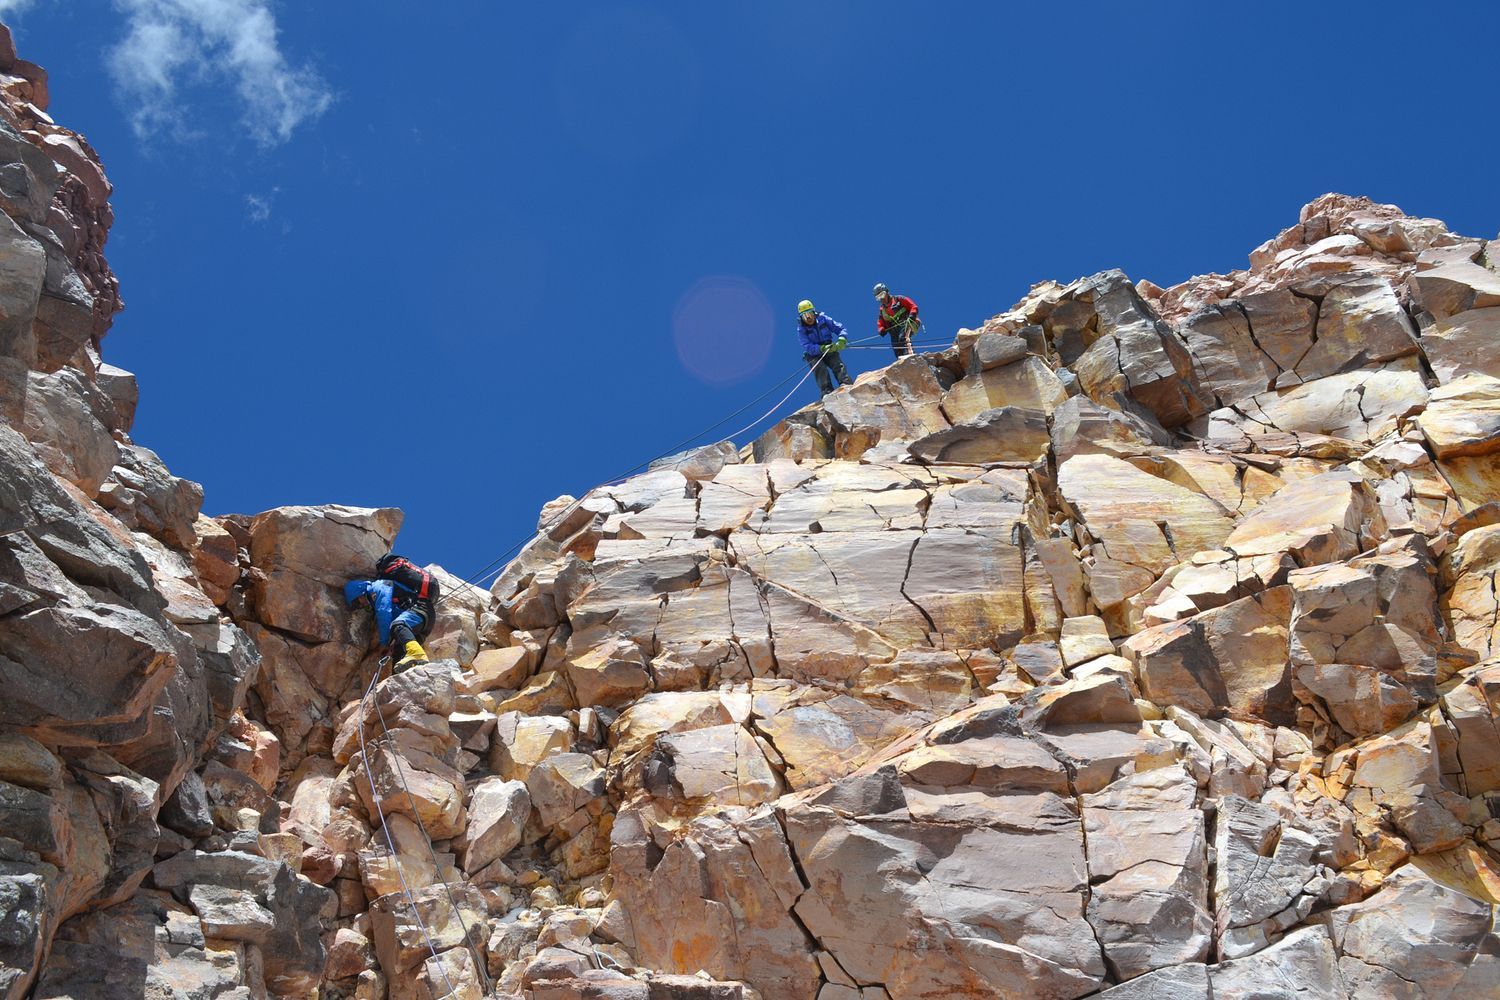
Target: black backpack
[(416, 581)]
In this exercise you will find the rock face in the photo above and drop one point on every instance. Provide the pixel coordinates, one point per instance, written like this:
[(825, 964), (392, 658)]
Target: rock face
[(1141, 644), (1138, 644)]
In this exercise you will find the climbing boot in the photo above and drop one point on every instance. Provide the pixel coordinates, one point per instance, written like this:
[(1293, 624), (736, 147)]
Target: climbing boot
[(415, 654)]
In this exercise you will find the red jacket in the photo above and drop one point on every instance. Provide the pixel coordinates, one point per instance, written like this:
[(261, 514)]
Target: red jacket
[(897, 309)]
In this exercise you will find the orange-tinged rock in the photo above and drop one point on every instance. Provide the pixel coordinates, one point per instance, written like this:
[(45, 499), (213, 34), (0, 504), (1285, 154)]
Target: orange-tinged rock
[(1463, 417), (1028, 384)]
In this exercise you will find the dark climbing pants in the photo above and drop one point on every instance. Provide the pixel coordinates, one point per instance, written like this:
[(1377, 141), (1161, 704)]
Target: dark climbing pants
[(827, 368), (901, 335), (412, 624)]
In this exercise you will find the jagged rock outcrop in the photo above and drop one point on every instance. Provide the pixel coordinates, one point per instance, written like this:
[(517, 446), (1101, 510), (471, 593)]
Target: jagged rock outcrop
[(1166, 614), (1140, 644)]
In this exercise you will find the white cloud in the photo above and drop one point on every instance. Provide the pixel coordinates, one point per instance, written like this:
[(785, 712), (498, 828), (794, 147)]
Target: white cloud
[(9, 7), (258, 206), (169, 42)]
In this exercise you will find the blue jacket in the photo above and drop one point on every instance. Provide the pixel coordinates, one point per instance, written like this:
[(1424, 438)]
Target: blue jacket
[(824, 330), (382, 595)]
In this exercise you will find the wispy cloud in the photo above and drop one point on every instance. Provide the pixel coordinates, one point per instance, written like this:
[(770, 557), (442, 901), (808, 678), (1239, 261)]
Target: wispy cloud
[(9, 7), (171, 42), (258, 206)]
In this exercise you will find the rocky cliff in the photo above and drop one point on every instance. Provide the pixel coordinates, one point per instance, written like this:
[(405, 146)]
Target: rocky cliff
[(1141, 644)]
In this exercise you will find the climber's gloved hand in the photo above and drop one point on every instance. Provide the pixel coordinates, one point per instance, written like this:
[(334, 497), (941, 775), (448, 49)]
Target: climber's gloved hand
[(841, 343)]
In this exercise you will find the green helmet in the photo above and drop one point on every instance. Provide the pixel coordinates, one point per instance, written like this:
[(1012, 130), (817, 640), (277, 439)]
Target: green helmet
[(880, 289)]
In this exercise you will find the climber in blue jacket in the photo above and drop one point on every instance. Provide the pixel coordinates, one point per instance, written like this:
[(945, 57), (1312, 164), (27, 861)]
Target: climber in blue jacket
[(403, 597), (822, 339)]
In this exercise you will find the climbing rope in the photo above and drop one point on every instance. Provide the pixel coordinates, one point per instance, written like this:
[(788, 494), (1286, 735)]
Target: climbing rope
[(886, 347), (364, 756), (437, 866), (496, 566), (779, 402), (485, 572)]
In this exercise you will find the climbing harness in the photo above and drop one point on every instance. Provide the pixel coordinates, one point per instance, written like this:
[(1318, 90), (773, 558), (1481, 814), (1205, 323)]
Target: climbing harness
[(364, 756), (407, 575)]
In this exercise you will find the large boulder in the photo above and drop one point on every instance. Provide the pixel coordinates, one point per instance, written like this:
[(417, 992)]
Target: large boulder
[(144, 496), (1325, 518), (1005, 434), (1361, 324), (76, 671), (1395, 780), (1027, 383), (1305, 957), (1081, 426), (22, 266), (1140, 524), (1455, 284), (898, 403), (1356, 408), (498, 810), (445, 917), (413, 783), (1471, 603), (1267, 875), (67, 419), (1132, 351), (1417, 938), (719, 764), (902, 888), (1364, 642), (1240, 347), (718, 899), (1472, 708), (1462, 417), (1462, 344), (1148, 865), (242, 893), (303, 556), (1229, 659)]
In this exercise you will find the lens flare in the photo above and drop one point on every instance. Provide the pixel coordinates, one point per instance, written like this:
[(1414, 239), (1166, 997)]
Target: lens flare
[(723, 327)]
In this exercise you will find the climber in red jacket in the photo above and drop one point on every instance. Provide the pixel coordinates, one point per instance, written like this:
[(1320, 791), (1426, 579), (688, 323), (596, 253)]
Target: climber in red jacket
[(897, 317)]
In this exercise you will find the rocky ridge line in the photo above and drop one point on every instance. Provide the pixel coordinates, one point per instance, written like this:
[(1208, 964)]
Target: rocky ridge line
[(1138, 645)]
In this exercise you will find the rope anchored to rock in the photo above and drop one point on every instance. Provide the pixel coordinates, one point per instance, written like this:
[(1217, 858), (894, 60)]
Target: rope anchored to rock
[(375, 798), (497, 565)]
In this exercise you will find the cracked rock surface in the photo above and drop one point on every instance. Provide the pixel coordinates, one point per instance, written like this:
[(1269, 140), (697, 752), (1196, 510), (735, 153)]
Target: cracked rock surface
[(1140, 644)]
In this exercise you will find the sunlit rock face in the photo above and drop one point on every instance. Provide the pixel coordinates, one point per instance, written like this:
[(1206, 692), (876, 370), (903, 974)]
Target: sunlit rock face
[(1139, 644)]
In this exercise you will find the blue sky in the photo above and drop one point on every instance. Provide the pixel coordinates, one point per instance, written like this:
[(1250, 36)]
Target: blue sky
[(461, 257)]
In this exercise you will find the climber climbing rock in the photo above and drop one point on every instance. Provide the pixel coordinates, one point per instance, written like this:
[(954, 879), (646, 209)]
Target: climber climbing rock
[(897, 317), (403, 596), (822, 339)]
